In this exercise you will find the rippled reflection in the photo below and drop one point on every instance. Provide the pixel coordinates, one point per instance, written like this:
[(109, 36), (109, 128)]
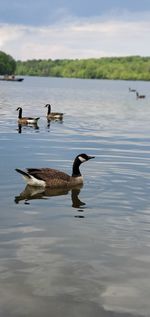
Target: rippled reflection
[(59, 120), (24, 127), (31, 192)]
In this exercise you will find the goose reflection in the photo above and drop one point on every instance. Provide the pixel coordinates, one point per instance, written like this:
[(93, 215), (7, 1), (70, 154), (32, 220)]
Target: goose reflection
[(31, 192), (51, 121), (27, 126)]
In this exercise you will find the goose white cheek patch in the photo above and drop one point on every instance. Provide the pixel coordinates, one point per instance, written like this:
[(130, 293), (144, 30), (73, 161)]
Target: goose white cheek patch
[(81, 159)]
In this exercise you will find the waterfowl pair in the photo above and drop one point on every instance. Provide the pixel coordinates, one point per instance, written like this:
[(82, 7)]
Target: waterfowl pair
[(47, 177), (53, 115), (26, 120)]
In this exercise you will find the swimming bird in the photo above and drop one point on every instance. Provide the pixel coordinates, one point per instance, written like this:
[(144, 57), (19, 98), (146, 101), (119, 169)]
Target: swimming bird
[(47, 177), (53, 115), (132, 90), (139, 96), (26, 120)]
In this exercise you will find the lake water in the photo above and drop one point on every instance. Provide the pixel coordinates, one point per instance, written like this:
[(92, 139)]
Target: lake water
[(84, 252)]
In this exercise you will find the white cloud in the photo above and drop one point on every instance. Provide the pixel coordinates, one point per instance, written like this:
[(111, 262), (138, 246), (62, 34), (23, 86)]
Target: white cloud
[(79, 38)]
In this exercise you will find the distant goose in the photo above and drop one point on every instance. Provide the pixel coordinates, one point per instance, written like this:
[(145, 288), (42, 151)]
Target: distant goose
[(53, 115), (26, 120), (139, 96), (132, 90), (47, 177)]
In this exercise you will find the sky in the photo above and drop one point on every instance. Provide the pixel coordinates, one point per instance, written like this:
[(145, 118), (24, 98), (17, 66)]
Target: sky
[(74, 29)]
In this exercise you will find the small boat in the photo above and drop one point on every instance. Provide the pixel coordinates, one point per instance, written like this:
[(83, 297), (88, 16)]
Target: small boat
[(11, 78)]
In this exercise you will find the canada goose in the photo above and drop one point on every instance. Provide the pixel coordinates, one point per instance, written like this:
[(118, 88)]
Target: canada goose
[(47, 177), (139, 96), (25, 120), (132, 90), (53, 115)]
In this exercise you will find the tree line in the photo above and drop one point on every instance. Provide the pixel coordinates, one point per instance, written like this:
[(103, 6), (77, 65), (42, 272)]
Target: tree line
[(123, 68), (127, 68)]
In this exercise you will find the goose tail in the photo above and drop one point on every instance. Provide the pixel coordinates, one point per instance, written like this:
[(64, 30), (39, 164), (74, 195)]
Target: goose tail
[(31, 180), (23, 173)]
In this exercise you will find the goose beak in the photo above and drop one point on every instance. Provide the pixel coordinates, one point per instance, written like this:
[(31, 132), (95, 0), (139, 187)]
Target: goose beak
[(90, 157)]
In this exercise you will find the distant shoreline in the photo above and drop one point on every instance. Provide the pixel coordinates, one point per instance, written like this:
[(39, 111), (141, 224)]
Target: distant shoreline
[(116, 68)]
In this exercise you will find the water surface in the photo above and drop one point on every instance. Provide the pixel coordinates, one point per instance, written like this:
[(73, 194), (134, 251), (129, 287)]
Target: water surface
[(84, 252)]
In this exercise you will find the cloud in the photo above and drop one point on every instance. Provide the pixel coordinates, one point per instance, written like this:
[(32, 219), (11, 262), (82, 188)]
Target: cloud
[(79, 38)]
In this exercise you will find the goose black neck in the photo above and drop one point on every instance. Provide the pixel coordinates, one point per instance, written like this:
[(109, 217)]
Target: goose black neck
[(49, 109), (75, 168), (20, 113)]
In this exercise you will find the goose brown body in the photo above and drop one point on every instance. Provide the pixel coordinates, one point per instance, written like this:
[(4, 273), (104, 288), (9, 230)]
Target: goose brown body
[(53, 178), (26, 120), (53, 115)]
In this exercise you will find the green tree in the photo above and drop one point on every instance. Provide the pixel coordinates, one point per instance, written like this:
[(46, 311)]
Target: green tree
[(7, 64)]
